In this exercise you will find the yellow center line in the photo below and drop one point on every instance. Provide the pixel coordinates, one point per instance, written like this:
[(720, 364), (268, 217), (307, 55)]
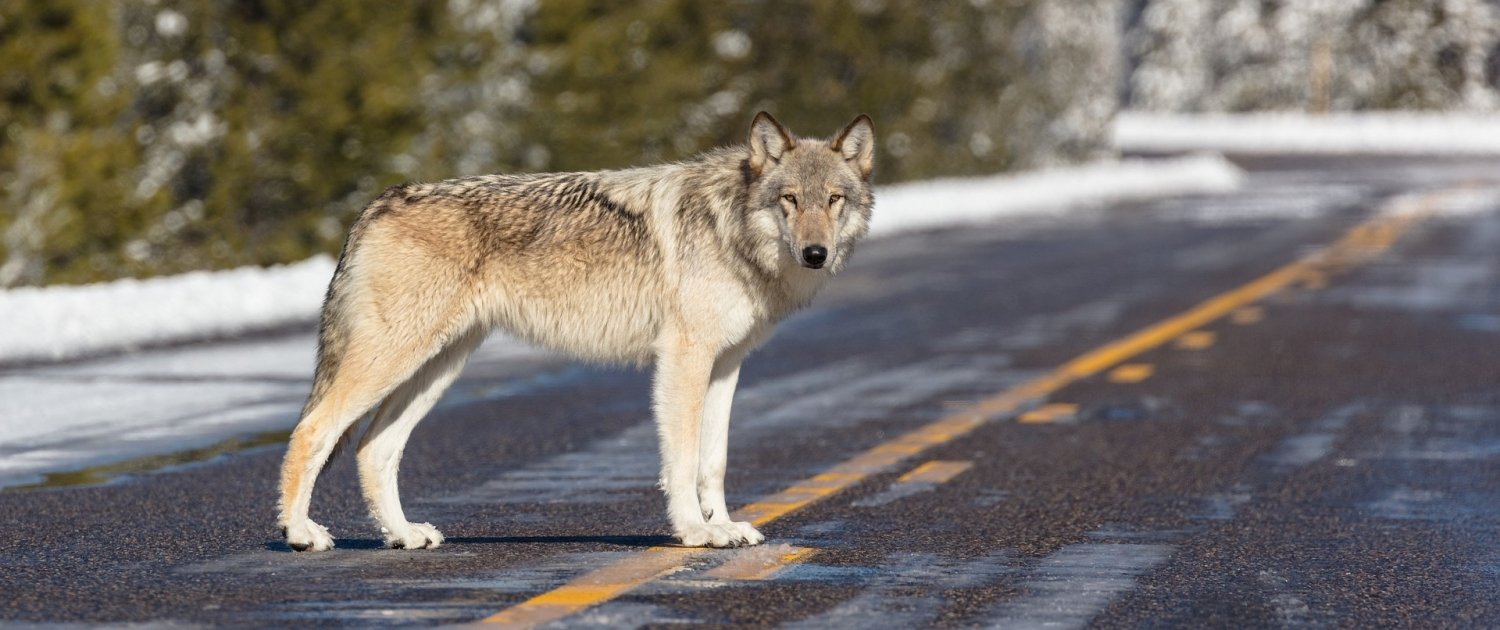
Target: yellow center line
[(1361, 243), (759, 563), (596, 586), (935, 471), (1315, 281), (1196, 340), (1131, 373), (1049, 413)]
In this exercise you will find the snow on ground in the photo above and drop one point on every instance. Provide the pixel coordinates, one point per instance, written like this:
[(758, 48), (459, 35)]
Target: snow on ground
[(936, 203), (64, 322), (69, 321), (1294, 132)]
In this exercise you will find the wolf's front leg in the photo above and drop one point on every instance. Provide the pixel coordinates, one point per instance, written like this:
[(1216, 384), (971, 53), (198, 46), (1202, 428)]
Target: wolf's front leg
[(682, 375), (714, 446)]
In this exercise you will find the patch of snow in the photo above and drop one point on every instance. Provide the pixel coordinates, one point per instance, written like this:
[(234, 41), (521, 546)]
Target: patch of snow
[(50, 323), (1295, 132), (1465, 201), (943, 202)]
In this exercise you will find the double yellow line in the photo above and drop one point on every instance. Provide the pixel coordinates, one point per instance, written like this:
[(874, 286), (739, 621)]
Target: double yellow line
[(1363, 242)]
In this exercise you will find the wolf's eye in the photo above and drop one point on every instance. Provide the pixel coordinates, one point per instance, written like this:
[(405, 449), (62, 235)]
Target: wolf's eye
[(833, 199), (790, 198)]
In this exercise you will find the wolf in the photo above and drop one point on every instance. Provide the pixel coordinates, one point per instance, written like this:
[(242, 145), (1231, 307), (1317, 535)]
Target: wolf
[(686, 265)]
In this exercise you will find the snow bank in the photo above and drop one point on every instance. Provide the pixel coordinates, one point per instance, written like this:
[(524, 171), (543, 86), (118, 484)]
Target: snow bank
[(1289, 132), (69, 321), (942, 202)]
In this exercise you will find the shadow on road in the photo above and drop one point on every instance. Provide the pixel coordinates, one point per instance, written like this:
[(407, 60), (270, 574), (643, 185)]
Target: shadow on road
[(620, 541)]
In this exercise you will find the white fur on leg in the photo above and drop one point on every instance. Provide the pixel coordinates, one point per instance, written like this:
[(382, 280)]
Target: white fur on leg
[(381, 448), (714, 451), (682, 374)]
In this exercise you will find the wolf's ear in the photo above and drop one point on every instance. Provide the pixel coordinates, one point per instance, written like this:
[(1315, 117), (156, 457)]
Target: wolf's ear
[(857, 144), (768, 141)]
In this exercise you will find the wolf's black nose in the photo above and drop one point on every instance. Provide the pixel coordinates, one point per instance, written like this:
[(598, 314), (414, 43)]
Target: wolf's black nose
[(814, 256)]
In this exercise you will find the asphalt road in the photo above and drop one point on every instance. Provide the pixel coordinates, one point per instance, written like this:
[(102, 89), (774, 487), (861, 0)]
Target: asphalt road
[(1304, 432)]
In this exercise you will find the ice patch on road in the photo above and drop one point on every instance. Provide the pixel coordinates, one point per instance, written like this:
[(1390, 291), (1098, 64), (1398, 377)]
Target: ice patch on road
[(1458, 202), (1432, 284), (1073, 585), (72, 416), (64, 417), (907, 591), (1302, 449), (1404, 503), (1266, 203)]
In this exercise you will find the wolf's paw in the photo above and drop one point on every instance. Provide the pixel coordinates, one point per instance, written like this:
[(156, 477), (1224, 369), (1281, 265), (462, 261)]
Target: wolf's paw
[(719, 535), (413, 536), (752, 535), (307, 536)]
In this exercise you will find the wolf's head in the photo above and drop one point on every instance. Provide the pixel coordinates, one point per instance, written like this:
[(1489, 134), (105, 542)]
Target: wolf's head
[(813, 194)]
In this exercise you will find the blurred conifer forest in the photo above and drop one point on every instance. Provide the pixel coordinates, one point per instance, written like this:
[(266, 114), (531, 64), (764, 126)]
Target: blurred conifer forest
[(143, 137)]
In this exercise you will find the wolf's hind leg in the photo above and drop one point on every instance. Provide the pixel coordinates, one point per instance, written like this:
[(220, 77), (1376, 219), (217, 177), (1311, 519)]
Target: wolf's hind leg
[(367, 372), (381, 448), (348, 397)]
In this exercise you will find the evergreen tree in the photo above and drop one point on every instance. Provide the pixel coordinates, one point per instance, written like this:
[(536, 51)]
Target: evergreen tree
[(943, 80), (155, 136), (67, 150)]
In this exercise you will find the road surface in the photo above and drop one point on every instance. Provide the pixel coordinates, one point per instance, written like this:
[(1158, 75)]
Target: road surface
[(1278, 407)]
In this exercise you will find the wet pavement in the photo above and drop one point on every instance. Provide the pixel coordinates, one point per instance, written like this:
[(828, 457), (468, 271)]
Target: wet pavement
[(1320, 452)]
